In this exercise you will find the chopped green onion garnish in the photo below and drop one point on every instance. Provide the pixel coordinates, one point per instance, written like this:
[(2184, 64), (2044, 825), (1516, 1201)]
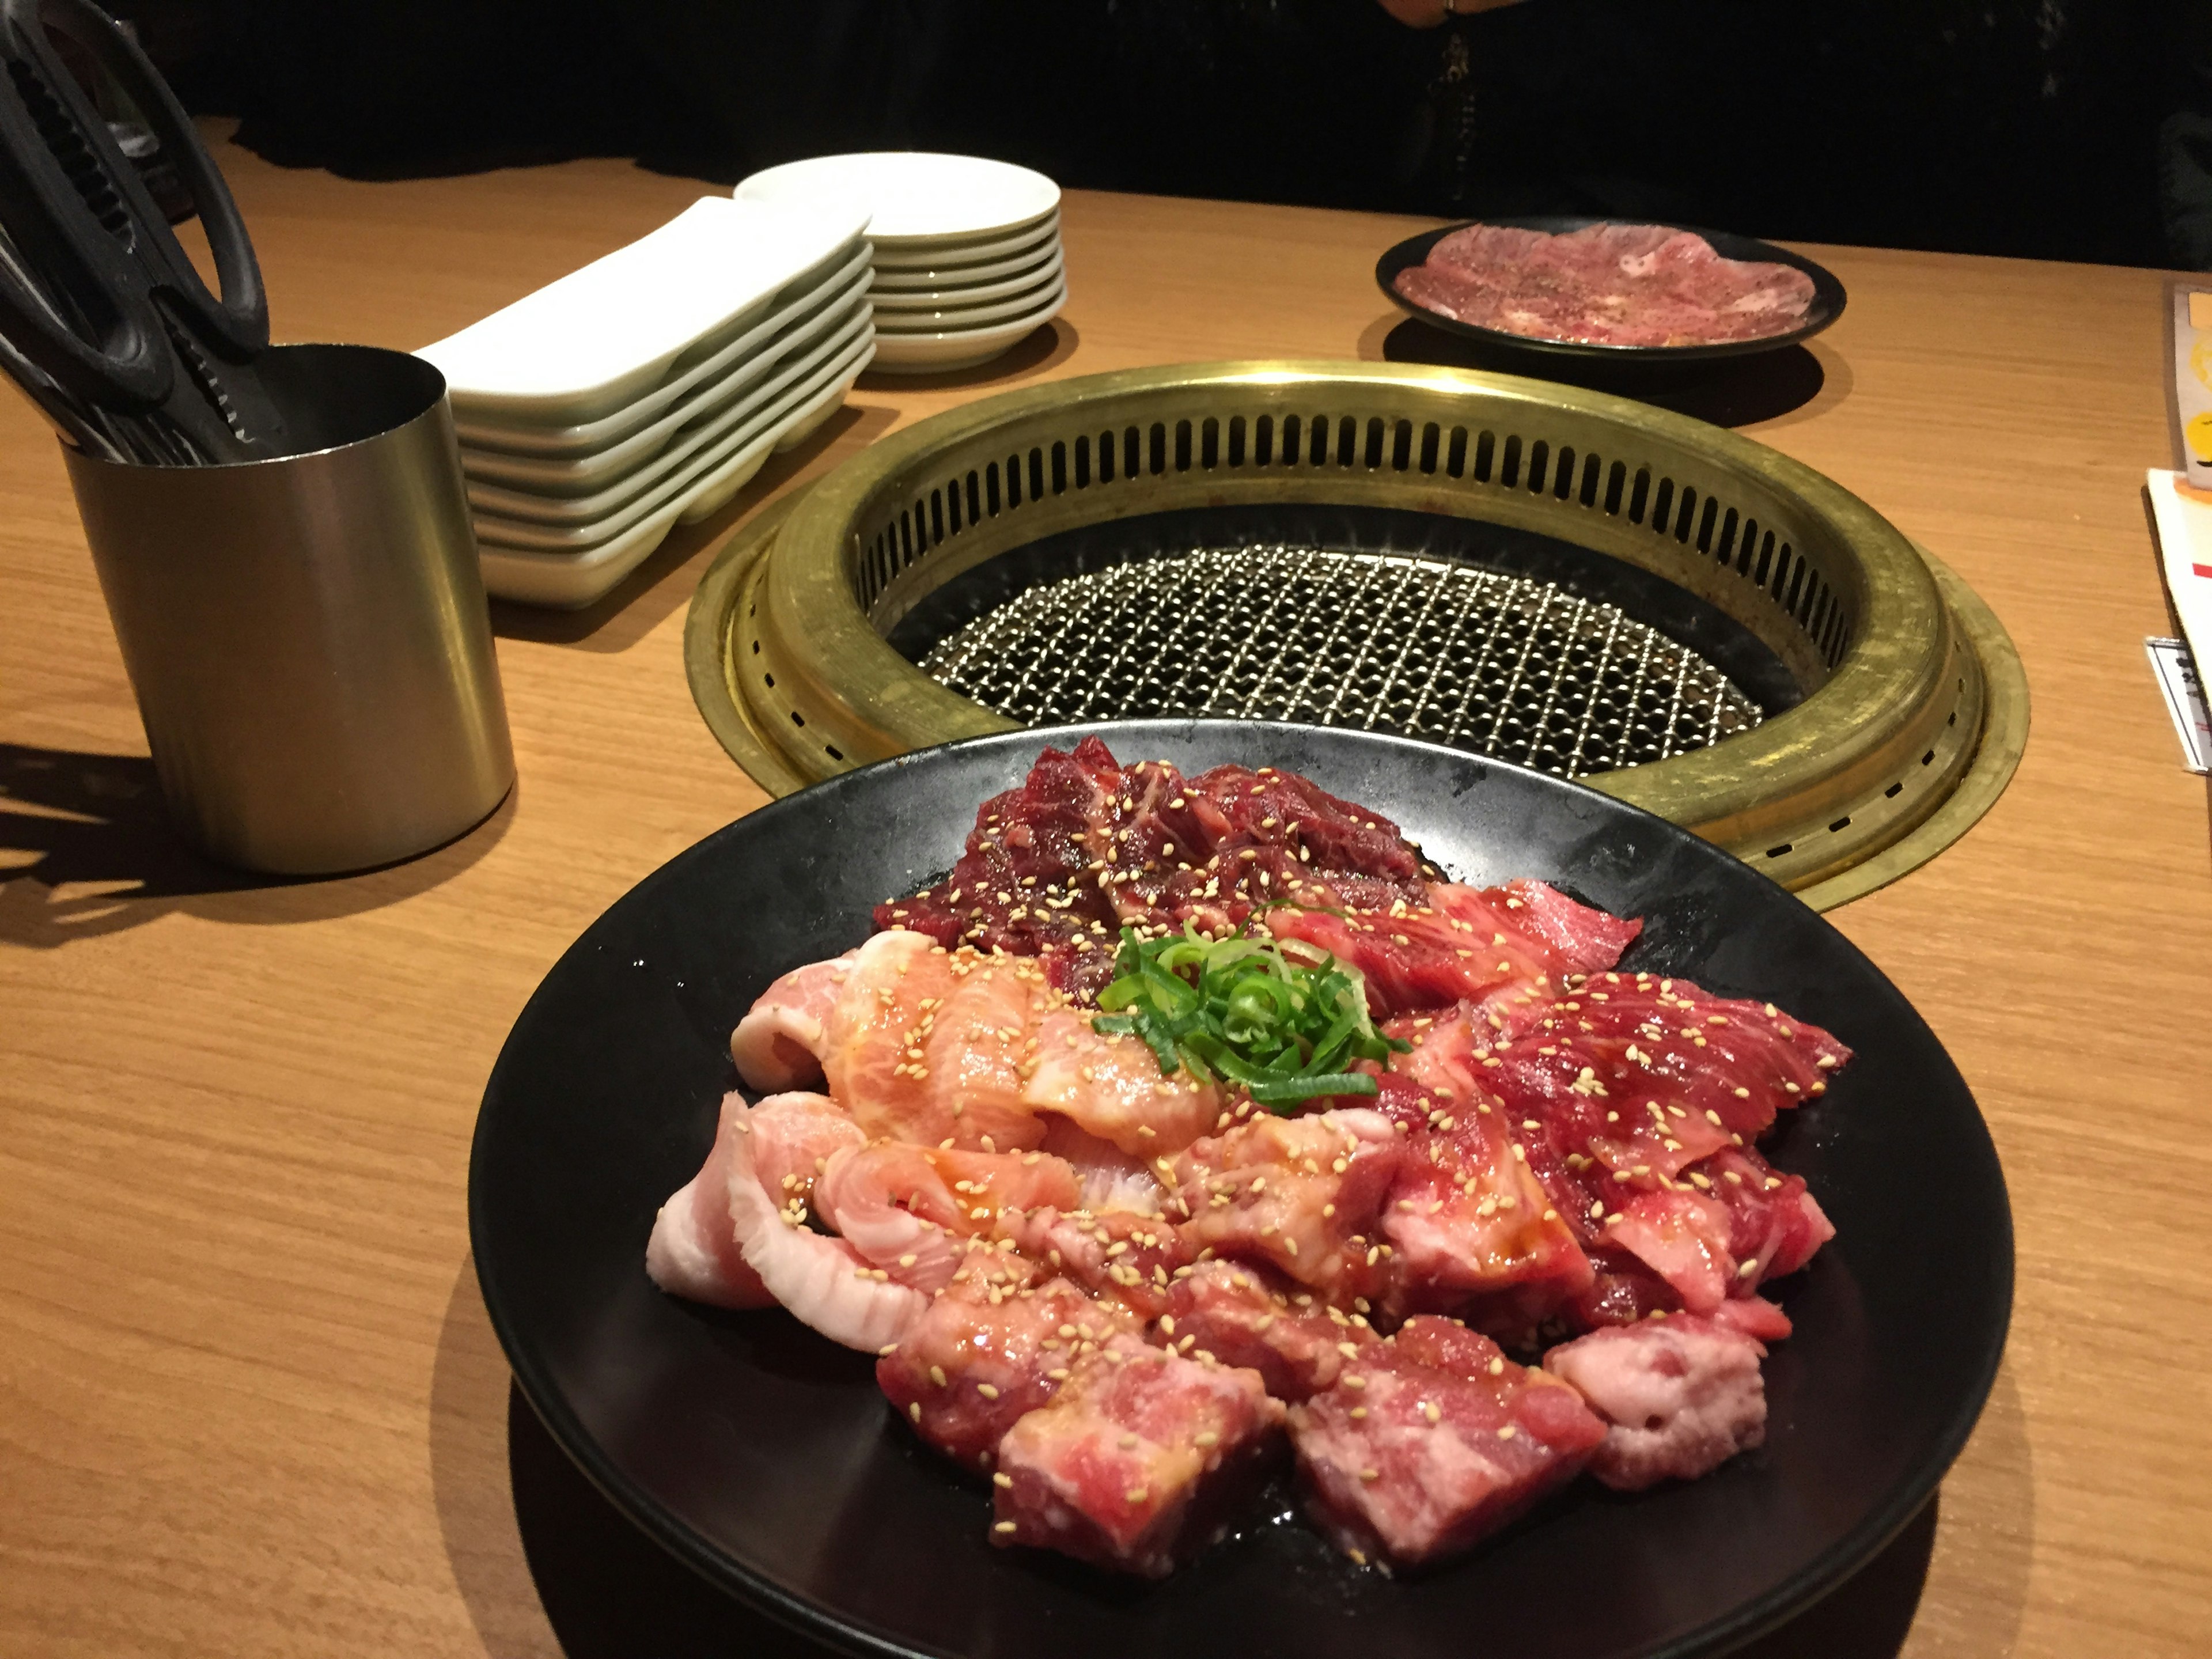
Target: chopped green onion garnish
[(1242, 1011)]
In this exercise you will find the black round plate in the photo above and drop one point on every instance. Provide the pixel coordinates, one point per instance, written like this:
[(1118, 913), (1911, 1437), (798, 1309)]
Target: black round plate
[(765, 1457), (1541, 355)]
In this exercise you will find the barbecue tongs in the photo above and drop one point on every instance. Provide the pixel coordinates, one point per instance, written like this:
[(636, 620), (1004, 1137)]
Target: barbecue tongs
[(128, 346)]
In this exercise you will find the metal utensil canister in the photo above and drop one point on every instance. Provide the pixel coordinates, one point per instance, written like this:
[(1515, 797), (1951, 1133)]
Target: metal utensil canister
[(307, 636)]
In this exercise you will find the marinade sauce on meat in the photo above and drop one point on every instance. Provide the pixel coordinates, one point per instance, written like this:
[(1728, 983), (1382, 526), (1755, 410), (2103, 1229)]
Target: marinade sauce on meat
[(1124, 1295)]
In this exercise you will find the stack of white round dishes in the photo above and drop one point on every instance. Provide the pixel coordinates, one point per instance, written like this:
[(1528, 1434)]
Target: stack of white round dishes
[(968, 255), (644, 389)]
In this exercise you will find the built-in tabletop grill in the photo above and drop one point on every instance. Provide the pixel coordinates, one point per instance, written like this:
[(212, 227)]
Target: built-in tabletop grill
[(1552, 577)]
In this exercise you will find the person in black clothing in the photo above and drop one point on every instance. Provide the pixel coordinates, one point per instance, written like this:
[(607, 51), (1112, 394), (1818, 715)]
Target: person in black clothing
[(2018, 126)]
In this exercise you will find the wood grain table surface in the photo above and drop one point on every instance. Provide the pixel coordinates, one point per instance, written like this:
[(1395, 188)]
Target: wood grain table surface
[(249, 1402)]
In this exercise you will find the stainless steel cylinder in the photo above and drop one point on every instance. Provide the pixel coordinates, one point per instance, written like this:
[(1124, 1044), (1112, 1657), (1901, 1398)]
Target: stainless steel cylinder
[(308, 637)]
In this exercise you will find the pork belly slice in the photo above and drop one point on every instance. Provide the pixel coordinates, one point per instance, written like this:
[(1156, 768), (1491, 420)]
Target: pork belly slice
[(1122, 1256), (1252, 1317), (1463, 943), (1301, 1194), (778, 1044), (996, 1343), (1433, 1442), (908, 1209), (1141, 1461), (925, 1045), (1680, 1396), (781, 1145)]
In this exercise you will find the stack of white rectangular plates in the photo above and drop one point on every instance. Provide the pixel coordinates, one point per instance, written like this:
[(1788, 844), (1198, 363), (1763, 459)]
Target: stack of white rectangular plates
[(968, 256), (644, 389)]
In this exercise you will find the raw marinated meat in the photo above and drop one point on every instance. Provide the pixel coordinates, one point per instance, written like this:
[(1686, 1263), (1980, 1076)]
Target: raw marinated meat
[(911, 1209), (996, 1345), (1056, 867), (1631, 285), (1122, 1256), (693, 1249), (788, 1140), (1111, 1087), (1103, 1284), (1302, 1194), (1472, 1229), (1434, 1441), (1246, 1315), (1508, 948), (1141, 1460), (822, 1282), (778, 1044), (1680, 1397), (931, 1047)]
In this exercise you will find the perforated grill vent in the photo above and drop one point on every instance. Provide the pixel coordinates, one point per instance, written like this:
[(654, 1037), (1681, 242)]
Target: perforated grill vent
[(1500, 665), (1732, 538)]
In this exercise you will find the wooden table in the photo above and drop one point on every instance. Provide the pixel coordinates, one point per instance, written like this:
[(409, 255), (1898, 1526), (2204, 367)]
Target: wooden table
[(249, 1403)]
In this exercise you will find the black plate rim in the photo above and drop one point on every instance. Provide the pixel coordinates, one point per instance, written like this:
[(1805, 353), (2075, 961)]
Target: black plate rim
[(823, 1624), (1828, 295)]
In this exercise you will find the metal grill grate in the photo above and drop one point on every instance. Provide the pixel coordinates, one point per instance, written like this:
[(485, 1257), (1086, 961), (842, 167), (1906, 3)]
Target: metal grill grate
[(1503, 666)]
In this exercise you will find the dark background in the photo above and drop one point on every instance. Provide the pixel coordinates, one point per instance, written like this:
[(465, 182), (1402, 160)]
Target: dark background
[(2057, 128)]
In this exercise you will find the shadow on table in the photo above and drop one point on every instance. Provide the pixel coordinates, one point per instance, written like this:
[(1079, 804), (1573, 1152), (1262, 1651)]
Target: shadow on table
[(87, 849), (1793, 382), (612, 1594), (646, 598)]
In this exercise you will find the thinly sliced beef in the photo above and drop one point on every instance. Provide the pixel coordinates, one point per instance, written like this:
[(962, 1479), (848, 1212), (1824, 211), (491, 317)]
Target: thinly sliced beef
[(1473, 1230), (1141, 1460), (1057, 866), (1507, 948), (1680, 1397), (1434, 1441), (1636, 1100), (995, 1345), (1607, 284)]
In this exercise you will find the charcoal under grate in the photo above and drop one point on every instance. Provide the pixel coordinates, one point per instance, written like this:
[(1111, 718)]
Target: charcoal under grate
[(1505, 665)]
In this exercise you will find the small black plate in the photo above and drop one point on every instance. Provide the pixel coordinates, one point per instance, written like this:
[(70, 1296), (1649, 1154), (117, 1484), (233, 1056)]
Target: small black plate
[(1542, 356), (764, 1456)]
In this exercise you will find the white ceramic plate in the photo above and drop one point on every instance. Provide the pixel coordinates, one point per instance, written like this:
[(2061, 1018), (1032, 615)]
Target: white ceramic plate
[(934, 354), (958, 257), (892, 301), (913, 196), (766, 424), (605, 469), (806, 301), (571, 580), (898, 278), (957, 319), (801, 367), (582, 347)]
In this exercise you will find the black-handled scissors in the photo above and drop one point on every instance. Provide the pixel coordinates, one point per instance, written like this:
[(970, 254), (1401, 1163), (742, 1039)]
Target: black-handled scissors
[(102, 298)]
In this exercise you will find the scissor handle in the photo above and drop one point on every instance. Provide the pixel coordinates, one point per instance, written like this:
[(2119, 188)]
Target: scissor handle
[(84, 221)]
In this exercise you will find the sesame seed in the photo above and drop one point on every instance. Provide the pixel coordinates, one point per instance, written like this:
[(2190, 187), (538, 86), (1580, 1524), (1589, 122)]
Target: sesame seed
[(1002, 1480), (1507, 1432), (1004, 1527), (914, 1411)]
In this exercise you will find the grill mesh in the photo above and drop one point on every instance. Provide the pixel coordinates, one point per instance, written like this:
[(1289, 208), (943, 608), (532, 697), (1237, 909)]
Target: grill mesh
[(1504, 665)]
